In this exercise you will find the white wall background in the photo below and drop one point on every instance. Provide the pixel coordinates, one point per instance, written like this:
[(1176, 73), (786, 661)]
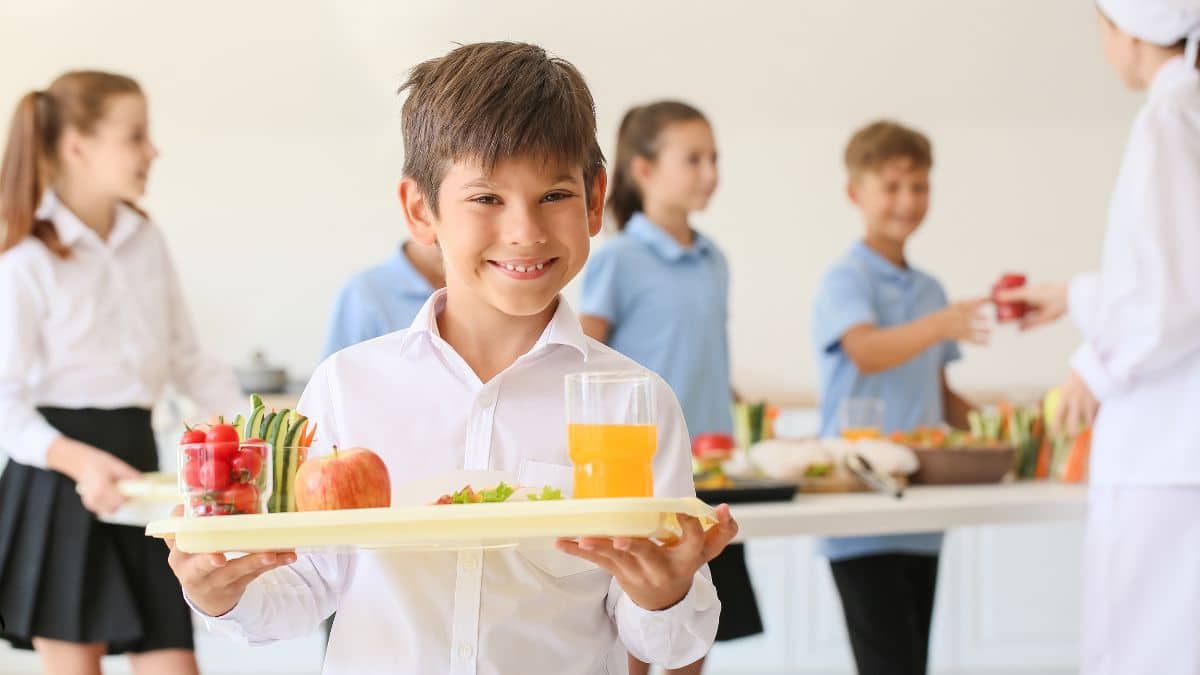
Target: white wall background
[(281, 147)]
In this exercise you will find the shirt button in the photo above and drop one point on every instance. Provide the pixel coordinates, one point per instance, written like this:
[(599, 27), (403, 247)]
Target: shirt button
[(465, 651), (486, 399), (469, 563)]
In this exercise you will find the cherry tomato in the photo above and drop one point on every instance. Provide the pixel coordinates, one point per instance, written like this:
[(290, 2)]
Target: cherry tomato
[(222, 433), (242, 497), (191, 474), (193, 435), (205, 506), (248, 464), (216, 474)]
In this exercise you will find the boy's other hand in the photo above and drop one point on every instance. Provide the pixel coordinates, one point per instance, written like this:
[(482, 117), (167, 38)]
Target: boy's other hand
[(214, 584), (1047, 302), (657, 576), (965, 321)]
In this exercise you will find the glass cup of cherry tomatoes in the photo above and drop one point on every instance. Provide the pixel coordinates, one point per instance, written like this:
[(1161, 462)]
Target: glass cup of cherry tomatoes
[(221, 475)]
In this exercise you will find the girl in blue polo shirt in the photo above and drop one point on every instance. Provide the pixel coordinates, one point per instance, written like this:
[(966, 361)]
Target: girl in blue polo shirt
[(659, 293)]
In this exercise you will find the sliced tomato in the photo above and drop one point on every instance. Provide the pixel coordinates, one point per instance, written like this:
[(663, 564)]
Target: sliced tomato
[(712, 446)]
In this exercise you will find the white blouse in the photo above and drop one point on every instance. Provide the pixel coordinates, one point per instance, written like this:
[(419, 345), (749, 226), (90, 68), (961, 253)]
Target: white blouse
[(106, 328)]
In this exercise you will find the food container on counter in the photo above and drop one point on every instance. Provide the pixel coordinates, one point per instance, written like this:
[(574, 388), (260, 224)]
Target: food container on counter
[(963, 466)]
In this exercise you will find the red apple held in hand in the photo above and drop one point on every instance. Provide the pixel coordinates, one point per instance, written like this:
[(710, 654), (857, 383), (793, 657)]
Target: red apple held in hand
[(349, 479)]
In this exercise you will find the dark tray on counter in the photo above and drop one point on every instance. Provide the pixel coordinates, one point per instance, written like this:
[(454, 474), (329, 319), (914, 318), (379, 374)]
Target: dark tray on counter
[(749, 491)]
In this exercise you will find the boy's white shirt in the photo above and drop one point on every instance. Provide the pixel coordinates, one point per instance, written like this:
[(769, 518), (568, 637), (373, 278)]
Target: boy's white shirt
[(412, 399), (1140, 314)]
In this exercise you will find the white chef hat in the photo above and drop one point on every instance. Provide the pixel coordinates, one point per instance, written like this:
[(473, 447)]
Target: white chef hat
[(1160, 22)]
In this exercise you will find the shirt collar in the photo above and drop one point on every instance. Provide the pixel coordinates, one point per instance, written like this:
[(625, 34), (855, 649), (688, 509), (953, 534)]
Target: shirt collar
[(662, 244), (70, 229), (880, 265), (1170, 74), (409, 281), (564, 327)]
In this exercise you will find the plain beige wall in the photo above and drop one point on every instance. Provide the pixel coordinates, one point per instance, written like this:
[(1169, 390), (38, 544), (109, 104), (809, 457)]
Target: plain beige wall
[(279, 128)]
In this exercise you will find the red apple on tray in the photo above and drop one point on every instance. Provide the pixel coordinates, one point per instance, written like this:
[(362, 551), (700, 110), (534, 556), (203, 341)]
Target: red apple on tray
[(344, 479)]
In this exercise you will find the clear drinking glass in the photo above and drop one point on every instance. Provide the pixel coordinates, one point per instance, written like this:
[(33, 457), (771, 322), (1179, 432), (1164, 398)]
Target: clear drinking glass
[(611, 433)]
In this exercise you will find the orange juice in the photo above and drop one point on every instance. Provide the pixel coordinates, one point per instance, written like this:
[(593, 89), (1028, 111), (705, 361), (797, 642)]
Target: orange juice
[(613, 460), (860, 433)]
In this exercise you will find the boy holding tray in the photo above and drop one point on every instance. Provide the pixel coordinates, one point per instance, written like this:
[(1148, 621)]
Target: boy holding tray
[(503, 172)]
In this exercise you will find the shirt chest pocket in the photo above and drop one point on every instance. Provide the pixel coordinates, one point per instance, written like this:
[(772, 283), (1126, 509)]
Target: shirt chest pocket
[(534, 475)]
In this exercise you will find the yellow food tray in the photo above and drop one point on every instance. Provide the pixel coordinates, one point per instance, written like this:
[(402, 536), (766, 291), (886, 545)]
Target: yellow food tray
[(434, 527)]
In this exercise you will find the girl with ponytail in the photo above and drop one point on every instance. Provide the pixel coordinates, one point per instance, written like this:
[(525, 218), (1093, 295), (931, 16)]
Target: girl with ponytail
[(94, 330), (659, 293)]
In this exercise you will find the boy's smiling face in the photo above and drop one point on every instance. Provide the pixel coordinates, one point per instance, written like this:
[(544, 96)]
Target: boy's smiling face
[(893, 198), (513, 237)]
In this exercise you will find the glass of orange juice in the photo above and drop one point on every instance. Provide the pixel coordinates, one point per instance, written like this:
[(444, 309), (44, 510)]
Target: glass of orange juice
[(611, 434), (861, 418)]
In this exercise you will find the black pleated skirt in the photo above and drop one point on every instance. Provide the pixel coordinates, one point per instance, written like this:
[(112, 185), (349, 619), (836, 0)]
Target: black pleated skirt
[(739, 608), (64, 575)]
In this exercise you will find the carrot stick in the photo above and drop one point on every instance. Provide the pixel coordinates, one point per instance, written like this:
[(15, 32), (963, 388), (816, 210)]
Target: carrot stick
[(1076, 469)]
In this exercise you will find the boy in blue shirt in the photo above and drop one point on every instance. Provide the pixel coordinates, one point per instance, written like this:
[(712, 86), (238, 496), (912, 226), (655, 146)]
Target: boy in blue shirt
[(884, 330), (385, 298)]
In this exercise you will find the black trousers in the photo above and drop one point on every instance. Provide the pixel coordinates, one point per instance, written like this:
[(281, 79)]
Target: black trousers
[(887, 600)]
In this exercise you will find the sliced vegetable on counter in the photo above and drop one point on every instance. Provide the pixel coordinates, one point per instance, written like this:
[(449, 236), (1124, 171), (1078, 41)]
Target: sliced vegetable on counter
[(709, 453)]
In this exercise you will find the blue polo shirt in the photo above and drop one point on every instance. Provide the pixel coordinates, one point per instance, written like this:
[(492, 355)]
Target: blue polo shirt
[(863, 287), (667, 307), (377, 301)]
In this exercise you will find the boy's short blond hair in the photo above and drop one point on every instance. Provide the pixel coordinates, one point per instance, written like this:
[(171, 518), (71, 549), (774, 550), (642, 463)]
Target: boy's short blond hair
[(882, 141), (492, 101)]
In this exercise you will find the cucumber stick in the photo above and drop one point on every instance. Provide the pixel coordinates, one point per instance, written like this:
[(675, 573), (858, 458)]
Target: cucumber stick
[(237, 424), (254, 423), (271, 436), (291, 461), (266, 424)]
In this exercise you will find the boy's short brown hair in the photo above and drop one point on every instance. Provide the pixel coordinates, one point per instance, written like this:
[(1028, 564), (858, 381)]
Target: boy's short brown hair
[(879, 142), (492, 101)]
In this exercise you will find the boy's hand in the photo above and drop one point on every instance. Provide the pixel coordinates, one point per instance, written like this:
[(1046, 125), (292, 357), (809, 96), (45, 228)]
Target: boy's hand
[(1047, 302), (1077, 407), (214, 584), (657, 576), (964, 321)]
